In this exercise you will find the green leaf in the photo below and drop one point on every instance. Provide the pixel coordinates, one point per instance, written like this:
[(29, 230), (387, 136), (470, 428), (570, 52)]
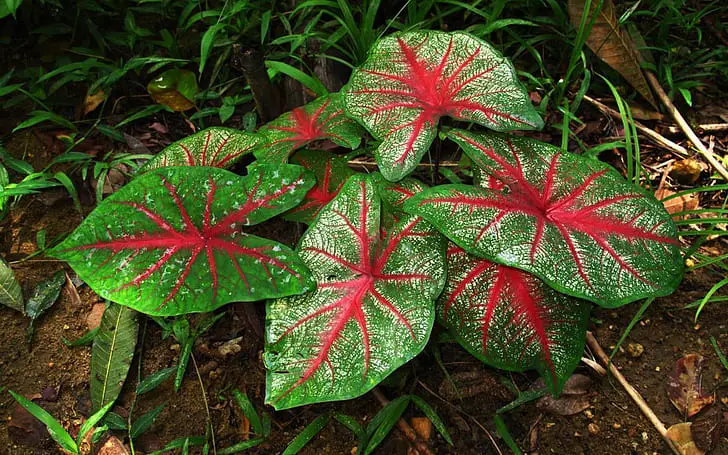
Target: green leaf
[(239, 447), (208, 40), (10, 293), (412, 79), (574, 222), (382, 423), (179, 443), (215, 147), (169, 242), (153, 380), (331, 171), (321, 119), (112, 353), (175, 89), (115, 422), (310, 82), (84, 340), (44, 296), (37, 117), (372, 310), (143, 423), (8, 7), (249, 411), (511, 320), (304, 437), (55, 429), (92, 421)]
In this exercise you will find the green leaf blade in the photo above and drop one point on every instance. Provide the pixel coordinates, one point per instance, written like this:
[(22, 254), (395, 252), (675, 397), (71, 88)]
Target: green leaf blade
[(10, 293)]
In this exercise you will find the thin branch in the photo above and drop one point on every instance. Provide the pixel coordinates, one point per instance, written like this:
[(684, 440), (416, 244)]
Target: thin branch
[(651, 134), (631, 391), (680, 120)]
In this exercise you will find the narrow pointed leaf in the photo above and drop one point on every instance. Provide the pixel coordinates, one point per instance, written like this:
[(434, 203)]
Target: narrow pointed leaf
[(512, 320), (10, 293), (331, 172), (169, 242), (574, 222), (111, 354), (412, 79), (321, 119), (55, 429), (215, 147), (373, 307)]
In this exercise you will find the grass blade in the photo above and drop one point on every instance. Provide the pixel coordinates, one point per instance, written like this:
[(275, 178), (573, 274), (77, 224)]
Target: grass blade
[(306, 435), (144, 422), (152, 381), (249, 411), (55, 429)]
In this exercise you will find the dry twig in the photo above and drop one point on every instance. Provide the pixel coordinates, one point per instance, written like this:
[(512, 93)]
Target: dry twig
[(680, 120), (631, 391)]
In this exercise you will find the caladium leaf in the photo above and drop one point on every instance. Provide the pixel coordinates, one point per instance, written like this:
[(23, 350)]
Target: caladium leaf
[(373, 307), (394, 195), (572, 221), (215, 147), (412, 79), (321, 119), (331, 172), (169, 242), (512, 320)]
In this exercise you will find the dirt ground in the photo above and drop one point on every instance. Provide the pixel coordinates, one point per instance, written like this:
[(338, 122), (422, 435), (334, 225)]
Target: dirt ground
[(667, 332)]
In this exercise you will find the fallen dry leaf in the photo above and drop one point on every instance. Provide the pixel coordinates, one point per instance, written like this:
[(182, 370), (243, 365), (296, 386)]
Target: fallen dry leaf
[(677, 204), (686, 171), (681, 435), (93, 319), (423, 428), (708, 428), (684, 389), (574, 397), (93, 101), (24, 429), (613, 45), (113, 446)]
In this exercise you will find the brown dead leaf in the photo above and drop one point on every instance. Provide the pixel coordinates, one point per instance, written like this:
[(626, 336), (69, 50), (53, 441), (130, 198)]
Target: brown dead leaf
[(686, 171), (113, 446), (613, 45), (708, 428), (423, 428), (93, 319), (681, 435), (574, 397), (93, 101), (26, 430), (684, 389), (677, 204)]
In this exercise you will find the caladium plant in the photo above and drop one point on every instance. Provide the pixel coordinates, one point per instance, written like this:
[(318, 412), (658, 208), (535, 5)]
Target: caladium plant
[(572, 221), (321, 119), (412, 79), (372, 309), (215, 147), (539, 235), (170, 242)]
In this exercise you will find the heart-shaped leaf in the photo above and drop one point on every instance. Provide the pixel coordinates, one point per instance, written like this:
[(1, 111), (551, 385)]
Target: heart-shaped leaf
[(373, 307), (321, 119), (510, 319), (168, 243), (572, 221), (331, 171), (215, 147), (412, 79)]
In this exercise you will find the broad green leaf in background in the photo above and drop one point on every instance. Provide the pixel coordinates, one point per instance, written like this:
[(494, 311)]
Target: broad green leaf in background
[(510, 319), (8, 7), (10, 293), (572, 221), (331, 172), (44, 296), (412, 79), (215, 147), (373, 307), (174, 88), (169, 242), (112, 353), (321, 119)]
